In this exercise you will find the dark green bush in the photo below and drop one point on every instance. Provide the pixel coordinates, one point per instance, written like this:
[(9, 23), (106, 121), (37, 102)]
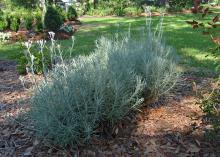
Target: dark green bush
[(53, 19), (14, 24), (72, 14)]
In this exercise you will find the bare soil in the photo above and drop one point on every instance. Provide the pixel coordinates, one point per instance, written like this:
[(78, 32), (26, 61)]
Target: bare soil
[(173, 127)]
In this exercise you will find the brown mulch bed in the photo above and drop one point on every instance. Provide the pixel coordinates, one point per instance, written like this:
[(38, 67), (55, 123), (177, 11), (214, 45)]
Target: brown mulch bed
[(172, 127), (24, 35)]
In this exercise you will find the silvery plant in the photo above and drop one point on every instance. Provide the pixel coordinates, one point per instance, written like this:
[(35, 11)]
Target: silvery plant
[(80, 94)]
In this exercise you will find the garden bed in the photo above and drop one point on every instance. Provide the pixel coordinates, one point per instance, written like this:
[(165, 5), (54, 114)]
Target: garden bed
[(25, 35)]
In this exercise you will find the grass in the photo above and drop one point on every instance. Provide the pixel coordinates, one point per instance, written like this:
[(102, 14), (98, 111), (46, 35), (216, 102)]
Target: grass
[(190, 44), (10, 51)]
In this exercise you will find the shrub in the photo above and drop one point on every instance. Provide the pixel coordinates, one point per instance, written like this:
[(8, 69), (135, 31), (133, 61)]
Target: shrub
[(101, 12), (132, 11), (14, 24), (102, 87), (3, 24), (38, 24), (29, 22), (72, 14), (3, 21), (61, 12), (53, 20), (177, 5)]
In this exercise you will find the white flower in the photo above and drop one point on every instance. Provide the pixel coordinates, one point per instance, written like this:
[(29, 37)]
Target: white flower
[(73, 38), (41, 43), (52, 35), (28, 44)]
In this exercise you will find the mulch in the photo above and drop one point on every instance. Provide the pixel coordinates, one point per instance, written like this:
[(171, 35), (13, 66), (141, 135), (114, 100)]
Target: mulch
[(174, 126)]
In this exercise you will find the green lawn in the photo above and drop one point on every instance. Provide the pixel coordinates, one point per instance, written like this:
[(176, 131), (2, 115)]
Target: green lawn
[(190, 44)]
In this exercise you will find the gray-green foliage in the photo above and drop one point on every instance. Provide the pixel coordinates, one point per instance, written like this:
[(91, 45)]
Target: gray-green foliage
[(81, 94)]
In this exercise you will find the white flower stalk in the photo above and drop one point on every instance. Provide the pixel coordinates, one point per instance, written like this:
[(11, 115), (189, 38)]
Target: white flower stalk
[(72, 46), (29, 57), (52, 48), (42, 44), (28, 44)]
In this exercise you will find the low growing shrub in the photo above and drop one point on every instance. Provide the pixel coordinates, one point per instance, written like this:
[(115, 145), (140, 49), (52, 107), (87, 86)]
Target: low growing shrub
[(79, 95)]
